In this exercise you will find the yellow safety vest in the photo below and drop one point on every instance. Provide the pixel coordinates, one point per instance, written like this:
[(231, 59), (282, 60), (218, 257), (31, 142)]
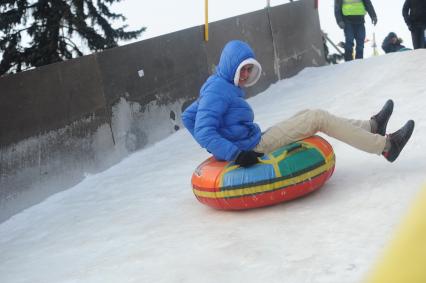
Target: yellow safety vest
[(353, 8)]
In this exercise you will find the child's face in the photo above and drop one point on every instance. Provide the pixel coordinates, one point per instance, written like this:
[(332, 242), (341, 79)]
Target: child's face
[(245, 74)]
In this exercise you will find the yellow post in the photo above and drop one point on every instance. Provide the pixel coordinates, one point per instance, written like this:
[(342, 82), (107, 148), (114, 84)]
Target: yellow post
[(206, 23), (404, 260)]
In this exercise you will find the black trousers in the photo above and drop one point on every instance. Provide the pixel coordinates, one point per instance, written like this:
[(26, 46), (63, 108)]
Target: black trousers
[(418, 36)]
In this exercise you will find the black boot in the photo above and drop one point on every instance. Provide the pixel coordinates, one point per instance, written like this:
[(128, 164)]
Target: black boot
[(398, 140), (381, 119)]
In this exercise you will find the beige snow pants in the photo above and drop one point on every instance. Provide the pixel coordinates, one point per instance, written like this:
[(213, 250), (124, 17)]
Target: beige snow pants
[(306, 123)]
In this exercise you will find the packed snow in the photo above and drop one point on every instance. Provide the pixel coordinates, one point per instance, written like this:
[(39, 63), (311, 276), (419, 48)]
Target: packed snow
[(139, 221)]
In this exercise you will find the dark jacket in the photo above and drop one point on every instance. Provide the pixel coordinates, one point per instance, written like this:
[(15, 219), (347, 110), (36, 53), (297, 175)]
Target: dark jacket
[(388, 46), (353, 19), (220, 120), (414, 12)]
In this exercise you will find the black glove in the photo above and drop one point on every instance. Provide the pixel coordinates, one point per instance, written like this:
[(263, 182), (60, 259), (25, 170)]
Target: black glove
[(374, 20), (409, 23), (248, 158), (341, 25)]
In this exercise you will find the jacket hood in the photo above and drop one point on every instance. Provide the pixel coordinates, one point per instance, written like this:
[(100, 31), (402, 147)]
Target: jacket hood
[(234, 55)]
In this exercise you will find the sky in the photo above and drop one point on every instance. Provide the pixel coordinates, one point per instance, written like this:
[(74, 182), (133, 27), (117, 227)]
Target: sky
[(161, 17), (139, 221)]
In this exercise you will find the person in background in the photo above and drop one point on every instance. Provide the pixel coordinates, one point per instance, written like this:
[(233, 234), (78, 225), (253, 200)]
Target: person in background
[(350, 17), (222, 121), (392, 43), (414, 13)]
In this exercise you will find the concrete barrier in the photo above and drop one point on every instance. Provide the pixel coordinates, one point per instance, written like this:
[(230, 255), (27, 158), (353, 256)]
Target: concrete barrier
[(62, 121)]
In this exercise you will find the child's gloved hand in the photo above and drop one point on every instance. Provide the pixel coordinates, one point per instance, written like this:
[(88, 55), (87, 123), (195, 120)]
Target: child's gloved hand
[(248, 158)]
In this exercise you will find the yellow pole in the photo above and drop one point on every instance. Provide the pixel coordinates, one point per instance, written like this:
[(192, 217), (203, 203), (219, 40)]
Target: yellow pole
[(404, 260), (206, 22)]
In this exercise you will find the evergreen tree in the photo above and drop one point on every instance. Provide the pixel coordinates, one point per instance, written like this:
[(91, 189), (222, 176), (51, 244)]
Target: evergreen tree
[(34, 33)]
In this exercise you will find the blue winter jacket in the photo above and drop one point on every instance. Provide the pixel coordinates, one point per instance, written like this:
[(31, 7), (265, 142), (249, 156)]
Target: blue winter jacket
[(220, 120)]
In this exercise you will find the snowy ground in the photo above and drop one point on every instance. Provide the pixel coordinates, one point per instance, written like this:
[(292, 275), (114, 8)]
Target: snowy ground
[(139, 221)]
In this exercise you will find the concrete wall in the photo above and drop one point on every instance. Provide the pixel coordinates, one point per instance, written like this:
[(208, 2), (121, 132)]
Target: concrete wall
[(62, 121)]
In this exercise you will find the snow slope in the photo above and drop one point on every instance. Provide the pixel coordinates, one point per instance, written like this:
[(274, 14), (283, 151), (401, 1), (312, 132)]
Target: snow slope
[(139, 221)]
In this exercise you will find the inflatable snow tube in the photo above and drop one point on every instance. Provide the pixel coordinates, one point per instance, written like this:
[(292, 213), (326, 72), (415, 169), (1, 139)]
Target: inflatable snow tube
[(404, 49), (289, 172)]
